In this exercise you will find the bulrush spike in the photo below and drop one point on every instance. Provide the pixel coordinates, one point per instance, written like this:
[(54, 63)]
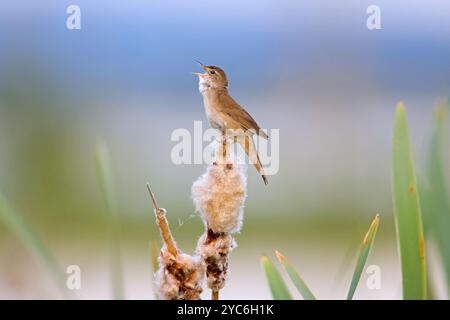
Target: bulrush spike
[(163, 224)]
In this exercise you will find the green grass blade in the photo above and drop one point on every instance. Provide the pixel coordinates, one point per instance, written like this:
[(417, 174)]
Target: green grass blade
[(363, 254), (435, 205), (104, 175), (295, 277), (407, 211), (26, 234), (276, 283)]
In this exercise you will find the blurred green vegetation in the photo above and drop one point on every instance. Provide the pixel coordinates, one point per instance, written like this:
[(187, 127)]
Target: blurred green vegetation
[(321, 81), (433, 191), (48, 172), (407, 211)]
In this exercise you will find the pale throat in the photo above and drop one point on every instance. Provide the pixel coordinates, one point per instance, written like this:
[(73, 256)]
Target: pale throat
[(204, 85)]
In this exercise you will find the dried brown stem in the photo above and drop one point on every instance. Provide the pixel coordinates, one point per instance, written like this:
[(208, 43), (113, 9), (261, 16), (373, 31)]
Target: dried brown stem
[(163, 225)]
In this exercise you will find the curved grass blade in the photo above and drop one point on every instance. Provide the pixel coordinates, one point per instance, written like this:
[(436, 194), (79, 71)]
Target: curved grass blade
[(349, 255), (26, 234), (295, 277), (363, 253), (104, 175), (435, 205), (407, 211), (276, 283)]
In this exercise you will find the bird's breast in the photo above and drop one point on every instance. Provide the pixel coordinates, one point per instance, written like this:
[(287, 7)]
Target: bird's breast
[(212, 107)]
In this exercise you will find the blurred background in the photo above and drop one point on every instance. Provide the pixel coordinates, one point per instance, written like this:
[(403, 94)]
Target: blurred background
[(309, 68)]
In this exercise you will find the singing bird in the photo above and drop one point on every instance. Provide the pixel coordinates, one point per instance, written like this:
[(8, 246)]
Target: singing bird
[(226, 115)]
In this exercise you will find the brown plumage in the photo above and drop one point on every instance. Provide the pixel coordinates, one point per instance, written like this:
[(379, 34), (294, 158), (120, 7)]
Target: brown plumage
[(224, 113)]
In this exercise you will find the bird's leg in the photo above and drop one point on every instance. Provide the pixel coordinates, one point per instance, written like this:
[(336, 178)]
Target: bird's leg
[(224, 144), (221, 153)]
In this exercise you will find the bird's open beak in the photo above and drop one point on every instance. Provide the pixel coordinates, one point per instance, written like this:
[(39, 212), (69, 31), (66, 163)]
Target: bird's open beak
[(201, 64), (203, 67)]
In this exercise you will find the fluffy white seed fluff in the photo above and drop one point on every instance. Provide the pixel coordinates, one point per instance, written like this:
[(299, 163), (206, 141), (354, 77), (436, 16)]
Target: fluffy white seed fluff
[(180, 277), (219, 196), (214, 250)]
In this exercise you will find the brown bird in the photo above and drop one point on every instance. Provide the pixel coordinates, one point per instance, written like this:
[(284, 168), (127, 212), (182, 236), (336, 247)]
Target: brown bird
[(226, 115)]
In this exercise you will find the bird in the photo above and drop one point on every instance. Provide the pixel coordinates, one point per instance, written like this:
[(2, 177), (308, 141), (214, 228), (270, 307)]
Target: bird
[(226, 115)]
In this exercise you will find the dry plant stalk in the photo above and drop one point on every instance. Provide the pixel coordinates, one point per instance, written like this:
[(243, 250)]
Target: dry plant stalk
[(219, 196), (163, 224), (179, 276)]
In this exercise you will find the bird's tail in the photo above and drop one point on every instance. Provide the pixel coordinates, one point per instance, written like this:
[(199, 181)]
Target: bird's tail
[(249, 147)]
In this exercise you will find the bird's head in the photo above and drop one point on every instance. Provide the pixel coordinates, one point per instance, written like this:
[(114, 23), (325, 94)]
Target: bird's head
[(213, 77)]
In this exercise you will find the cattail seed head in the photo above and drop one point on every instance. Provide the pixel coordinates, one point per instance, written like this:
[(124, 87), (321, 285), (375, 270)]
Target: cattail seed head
[(214, 248), (179, 277), (219, 196)]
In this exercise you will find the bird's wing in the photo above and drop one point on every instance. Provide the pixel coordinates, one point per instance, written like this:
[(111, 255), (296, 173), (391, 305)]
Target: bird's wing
[(238, 114)]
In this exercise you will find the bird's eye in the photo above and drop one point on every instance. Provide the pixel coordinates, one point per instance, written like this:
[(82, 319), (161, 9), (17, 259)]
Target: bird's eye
[(212, 72)]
